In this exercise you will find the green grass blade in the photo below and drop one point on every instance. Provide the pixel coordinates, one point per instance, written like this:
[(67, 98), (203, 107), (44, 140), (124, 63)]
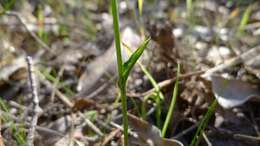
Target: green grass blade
[(117, 37), (172, 105), (245, 19), (152, 80), (140, 6), (204, 123), (158, 94), (129, 64), (120, 68), (147, 73)]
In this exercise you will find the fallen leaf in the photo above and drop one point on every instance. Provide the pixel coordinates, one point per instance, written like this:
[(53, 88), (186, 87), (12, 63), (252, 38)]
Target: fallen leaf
[(149, 135), (230, 92)]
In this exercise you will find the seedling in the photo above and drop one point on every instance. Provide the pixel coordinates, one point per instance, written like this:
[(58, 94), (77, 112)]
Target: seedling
[(124, 67)]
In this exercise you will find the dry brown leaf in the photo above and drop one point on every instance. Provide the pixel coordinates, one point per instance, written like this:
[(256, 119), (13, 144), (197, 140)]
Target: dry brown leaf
[(84, 104)]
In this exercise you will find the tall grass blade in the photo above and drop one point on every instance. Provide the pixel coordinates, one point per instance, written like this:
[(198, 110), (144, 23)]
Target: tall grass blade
[(117, 37), (120, 68), (172, 105)]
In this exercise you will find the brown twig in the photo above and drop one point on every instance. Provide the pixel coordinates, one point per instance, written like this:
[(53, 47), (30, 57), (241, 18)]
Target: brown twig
[(36, 108)]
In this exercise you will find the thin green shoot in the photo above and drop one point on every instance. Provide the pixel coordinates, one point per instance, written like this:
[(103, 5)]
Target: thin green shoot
[(124, 68), (120, 69), (140, 7), (143, 110), (158, 94), (172, 105), (204, 123), (147, 73), (244, 20)]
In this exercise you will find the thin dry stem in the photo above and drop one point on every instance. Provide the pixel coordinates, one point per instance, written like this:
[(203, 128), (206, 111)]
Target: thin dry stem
[(36, 108)]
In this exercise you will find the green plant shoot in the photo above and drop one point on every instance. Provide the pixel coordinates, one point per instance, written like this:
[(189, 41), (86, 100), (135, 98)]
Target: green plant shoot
[(172, 105), (124, 68)]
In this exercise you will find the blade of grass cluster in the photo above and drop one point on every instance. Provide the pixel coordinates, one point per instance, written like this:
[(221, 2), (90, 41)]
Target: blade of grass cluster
[(245, 19), (172, 105), (158, 97), (204, 123), (146, 72)]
